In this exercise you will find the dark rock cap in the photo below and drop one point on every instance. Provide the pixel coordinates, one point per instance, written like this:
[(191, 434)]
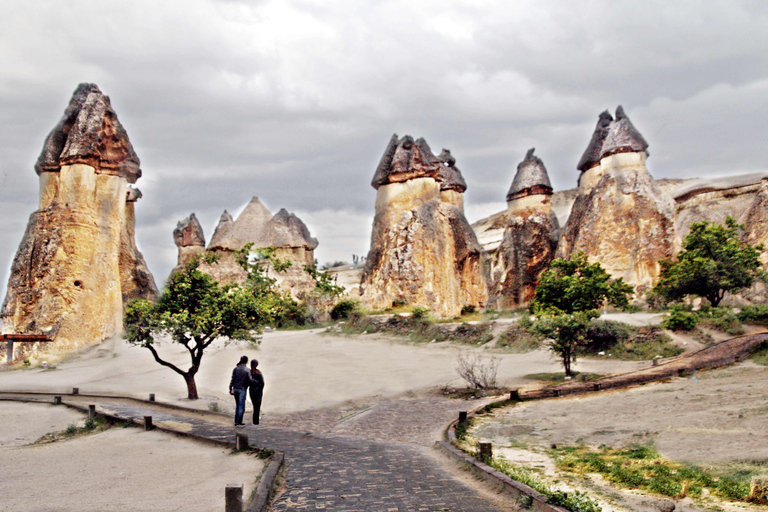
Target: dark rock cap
[(450, 174), (591, 156), (405, 159), (531, 178), (612, 136), (90, 133), (622, 137), (132, 195), (189, 232)]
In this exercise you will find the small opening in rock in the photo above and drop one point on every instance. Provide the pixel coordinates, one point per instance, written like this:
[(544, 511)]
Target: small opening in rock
[(78, 283)]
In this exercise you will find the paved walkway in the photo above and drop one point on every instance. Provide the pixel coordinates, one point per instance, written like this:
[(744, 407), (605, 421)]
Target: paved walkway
[(365, 469)]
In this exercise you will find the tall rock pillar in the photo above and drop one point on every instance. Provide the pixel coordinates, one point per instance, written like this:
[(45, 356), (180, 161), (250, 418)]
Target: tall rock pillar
[(423, 251), (530, 237), (78, 250), (620, 218)]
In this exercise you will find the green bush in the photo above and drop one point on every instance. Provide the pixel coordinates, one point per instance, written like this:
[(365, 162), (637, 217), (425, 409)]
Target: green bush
[(420, 312), (605, 334), (680, 318), (754, 314), (720, 319), (342, 309), (468, 309)]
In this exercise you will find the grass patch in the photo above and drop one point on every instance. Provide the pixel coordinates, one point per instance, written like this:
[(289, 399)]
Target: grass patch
[(559, 377), (519, 338), (626, 342), (642, 467), (760, 356), (91, 426)]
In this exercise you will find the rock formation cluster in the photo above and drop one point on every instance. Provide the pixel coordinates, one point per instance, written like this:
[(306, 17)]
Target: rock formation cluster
[(530, 237), (423, 251), (256, 225), (78, 264)]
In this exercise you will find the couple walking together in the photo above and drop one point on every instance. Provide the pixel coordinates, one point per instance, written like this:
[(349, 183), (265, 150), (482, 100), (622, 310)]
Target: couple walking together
[(245, 380)]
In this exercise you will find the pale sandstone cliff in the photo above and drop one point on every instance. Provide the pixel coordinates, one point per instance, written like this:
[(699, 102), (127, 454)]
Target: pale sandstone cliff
[(529, 239), (423, 251), (78, 261)]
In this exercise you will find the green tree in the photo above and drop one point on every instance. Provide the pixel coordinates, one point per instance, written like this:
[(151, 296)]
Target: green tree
[(324, 282), (577, 285), (714, 260), (193, 311), (567, 299), (567, 333)]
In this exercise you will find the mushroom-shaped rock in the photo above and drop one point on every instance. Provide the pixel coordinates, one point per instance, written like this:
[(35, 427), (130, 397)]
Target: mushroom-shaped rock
[(90, 133), (531, 178), (287, 230), (450, 175), (405, 159), (622, 137), (591, 156), (133, 194), (189, 232)]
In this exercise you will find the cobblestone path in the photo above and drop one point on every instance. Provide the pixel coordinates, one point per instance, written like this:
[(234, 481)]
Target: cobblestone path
[(349, 472)]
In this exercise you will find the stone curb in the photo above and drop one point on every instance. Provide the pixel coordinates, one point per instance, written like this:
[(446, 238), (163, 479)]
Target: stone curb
[(266, 483), (498, 479)]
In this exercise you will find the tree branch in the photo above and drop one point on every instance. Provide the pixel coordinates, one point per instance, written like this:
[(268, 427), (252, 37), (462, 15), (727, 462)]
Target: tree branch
[(164, 363)]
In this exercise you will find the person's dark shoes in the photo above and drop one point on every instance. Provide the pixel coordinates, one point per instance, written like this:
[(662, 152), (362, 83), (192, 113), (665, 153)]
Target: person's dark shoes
[(239, 424)]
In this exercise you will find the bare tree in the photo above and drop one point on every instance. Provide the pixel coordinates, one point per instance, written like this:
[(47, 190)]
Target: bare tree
[(477, 371)]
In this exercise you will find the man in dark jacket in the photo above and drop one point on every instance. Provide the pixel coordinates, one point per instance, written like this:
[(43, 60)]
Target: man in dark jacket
[(238, 386)]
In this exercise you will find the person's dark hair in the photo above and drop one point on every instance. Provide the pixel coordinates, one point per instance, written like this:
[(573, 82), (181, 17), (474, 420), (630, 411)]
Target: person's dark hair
[(243, 360), (254, 363)]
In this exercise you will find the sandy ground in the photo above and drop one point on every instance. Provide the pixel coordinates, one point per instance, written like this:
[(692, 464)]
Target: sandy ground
[(303, 370), (118, 469), (714, 416)]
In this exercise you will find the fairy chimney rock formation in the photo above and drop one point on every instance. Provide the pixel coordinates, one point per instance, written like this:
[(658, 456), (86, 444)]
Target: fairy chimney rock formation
[(621, 217), (189, 238), (78, 263), (530, 237), (423, 251), (452, 184)]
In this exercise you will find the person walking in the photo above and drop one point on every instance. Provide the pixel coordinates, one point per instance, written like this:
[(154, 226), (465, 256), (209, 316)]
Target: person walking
[(241, 379), (256, 389)]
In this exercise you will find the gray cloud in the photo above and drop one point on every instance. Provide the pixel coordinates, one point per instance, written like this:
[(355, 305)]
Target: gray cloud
[(295, 101)]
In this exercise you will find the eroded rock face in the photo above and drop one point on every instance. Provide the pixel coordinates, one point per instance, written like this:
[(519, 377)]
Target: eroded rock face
[(622, 219), (78, 261), (755, 221), (530, 237), (423, 250)]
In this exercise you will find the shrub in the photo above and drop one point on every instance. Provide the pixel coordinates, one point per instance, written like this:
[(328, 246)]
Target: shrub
[(605, 334), (720, 319), (468, 309), (680, 318), (478, 372), (342, 309), (754, 314), (398, 303), (420, 312)]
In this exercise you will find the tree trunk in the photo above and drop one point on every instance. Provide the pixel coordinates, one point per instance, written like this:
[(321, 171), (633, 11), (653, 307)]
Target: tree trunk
[(189, 378), (567, 364)]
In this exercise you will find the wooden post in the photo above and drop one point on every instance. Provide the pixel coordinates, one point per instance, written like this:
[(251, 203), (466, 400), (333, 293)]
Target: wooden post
[(484, 451), (151, 397), (233, 495), (462, 417), (147, 422), (9, 351), (557, 392), (597, 386), (91, 410), (57, 400), (75, 391), (241, 441), (514, 395)]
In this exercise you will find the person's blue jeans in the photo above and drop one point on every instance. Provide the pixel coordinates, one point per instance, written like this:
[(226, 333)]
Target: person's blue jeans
[(240, 395)]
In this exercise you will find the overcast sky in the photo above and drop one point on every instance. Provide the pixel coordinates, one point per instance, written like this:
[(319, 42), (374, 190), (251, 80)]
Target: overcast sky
[(295, 101)]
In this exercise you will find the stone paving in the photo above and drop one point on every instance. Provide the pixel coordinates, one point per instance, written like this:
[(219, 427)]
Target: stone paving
[(350, 472)]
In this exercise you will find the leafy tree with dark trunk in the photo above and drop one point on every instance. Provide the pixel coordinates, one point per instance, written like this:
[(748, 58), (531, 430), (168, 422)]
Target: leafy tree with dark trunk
[(194, 310), (567, 299), (714, 260)]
